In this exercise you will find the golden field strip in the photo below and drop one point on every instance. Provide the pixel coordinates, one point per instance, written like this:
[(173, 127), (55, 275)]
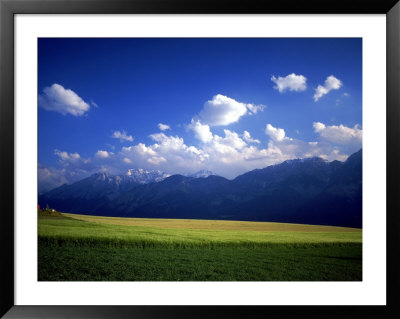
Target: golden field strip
[(210, 224)]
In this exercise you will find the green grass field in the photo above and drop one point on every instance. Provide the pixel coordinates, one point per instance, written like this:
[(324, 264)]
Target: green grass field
[(80, 247)]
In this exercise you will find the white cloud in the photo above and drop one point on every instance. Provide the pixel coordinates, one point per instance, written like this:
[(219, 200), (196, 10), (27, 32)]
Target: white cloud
[(171, 142), (253, 109), (331, 83), (122, 136), (247, 137), (65, 156), (168, 153), (291, 82), (231, 139), (228, 155), (340, 134), (163, 127), (319, 127), (201, 131), (75, 164), (65, 101), (293, 148), (223, 110), (103, 154), (156, 160), (93, 103), (277, 134), (126, 160), (141, 149)]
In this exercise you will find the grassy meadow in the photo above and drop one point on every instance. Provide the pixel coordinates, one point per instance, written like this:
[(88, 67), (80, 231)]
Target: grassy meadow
[(80, 247)]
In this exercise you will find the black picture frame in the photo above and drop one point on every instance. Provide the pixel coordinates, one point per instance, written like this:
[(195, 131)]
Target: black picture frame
[(8, 8)]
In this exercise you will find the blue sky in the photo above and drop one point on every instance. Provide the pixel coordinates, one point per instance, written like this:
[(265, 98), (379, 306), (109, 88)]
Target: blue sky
[(227, 105)]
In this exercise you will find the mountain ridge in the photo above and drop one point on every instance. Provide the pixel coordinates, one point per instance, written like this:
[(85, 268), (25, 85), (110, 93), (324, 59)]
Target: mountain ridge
[(302, 190)]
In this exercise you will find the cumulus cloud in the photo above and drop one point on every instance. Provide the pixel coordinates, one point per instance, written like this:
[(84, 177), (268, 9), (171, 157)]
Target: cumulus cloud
[(201, 131), (65, 156), (276, 134), (168, 153), (247, 137), (281, 147), (293, 148), (163, 127), (319, 127), (173, 142), (223, 110), (253, 109), (122, 136), (340, 134), (291, 82), (156, 160), (75, 164), (228, 154), (331, 83), (65, 101), (141, 149), (231, 155), (103, 154), (126, 160), (231, 139)]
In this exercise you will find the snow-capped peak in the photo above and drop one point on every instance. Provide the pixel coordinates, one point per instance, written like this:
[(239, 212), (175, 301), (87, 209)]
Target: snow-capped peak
[(144, 176)]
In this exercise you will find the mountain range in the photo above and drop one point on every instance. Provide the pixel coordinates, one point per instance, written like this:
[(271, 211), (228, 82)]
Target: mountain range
[(309, 191)]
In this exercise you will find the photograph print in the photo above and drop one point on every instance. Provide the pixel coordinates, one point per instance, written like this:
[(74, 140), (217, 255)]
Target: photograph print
[(199, 159)]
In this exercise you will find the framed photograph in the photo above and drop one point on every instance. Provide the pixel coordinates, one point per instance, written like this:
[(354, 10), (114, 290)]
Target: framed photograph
[(173, 159)]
